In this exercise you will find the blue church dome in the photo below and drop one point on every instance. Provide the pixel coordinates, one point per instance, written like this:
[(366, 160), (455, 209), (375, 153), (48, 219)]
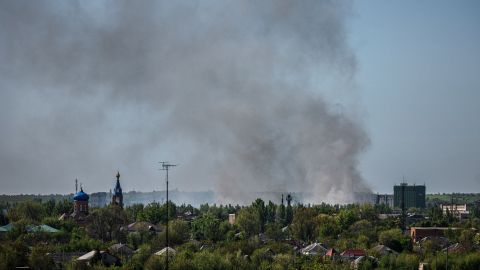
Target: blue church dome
[(81, 196)]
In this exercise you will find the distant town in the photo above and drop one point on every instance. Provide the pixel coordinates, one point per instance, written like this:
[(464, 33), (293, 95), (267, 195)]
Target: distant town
[(415, 196), (408, 229)]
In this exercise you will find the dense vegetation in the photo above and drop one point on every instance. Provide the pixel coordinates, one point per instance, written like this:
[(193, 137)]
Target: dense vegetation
[(264, 236)]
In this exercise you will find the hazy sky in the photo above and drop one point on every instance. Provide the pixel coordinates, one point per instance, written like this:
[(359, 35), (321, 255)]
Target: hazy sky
[(419, 75), (395, 85)]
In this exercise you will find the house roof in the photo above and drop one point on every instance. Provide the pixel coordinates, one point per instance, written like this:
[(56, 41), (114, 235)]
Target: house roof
[(87, 256), (142, 226), (358, 260), (42, 228), (314, 248), (331, 252), (455, 248), (105, 257), (8, 227), (382, 250), (31, 228), (62, 257), (171, 251), (121, 248), (353, 253)]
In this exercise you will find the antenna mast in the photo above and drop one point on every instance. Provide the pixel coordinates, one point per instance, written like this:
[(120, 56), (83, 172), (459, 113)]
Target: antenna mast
[(402, 205), (165, 167)]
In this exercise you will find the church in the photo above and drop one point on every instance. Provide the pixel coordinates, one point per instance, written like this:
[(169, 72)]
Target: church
[(80, 206), (117, 198), (81, 202)]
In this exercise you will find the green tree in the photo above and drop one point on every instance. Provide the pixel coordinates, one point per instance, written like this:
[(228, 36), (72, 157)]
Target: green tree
[(179, 232), (346, 217), (206, 227), (327, 226), (30, 211), (249, 221), (406, 261), (466, 239), (141, 256), (469, 261), (274, 231), (63, 206), (39, 259), (105, 223), (271, 212), (259, 207), (395, 240), (13, 254), (288, 214), (80, 241), (155, 212), (3, 218), (152, 213), (65, 225), (368, 212), (19, 229), (134, 212), (431, 246), (155, 262), (367, 263), (280, 215), (49, 208), (303, 224), (209, 260)]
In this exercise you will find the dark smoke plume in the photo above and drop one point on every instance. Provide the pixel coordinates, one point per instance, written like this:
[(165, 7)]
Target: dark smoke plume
[(234, 90)]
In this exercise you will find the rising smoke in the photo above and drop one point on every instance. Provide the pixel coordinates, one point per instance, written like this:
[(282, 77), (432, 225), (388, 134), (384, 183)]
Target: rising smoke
[(233, 89)]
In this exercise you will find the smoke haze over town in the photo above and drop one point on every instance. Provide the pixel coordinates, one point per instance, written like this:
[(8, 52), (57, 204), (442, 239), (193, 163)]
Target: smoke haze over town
[(245, 96)]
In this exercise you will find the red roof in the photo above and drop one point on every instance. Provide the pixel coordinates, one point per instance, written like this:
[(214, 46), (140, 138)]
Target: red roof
[(331, 252), (353, 253)]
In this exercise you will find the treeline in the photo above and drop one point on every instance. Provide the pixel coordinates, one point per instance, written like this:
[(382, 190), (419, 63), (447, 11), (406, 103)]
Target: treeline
[(263, 236)]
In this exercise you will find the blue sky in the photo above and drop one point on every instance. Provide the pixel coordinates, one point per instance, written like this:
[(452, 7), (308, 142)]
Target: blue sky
[(419, 80)]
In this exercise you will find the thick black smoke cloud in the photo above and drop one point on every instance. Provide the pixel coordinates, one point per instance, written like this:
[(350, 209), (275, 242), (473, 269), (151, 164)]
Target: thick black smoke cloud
[(232, 89)]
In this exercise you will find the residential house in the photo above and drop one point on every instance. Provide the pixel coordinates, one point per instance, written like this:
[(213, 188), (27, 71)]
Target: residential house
[(95, 256), (314, 249), (352, 254)]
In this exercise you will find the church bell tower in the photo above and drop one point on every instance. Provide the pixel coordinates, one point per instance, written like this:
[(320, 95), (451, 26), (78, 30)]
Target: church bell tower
[(117, 198)]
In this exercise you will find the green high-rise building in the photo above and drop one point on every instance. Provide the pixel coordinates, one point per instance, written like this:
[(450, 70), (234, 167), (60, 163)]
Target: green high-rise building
[(414, 196)]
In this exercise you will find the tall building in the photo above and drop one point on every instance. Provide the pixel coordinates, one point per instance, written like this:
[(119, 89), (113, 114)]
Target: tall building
[(386, 199), (410, 196), (117, 198)]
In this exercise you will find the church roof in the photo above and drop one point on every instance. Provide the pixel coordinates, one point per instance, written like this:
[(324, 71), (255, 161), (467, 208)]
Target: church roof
[(81, 196)]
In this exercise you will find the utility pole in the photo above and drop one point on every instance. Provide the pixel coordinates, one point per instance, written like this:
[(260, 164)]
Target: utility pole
[(446, 260), (165, 167), (452, 209), (402, 205)]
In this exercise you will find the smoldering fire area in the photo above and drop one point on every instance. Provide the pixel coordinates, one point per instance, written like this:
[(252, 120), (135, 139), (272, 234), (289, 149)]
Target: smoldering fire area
[(234, 90)]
